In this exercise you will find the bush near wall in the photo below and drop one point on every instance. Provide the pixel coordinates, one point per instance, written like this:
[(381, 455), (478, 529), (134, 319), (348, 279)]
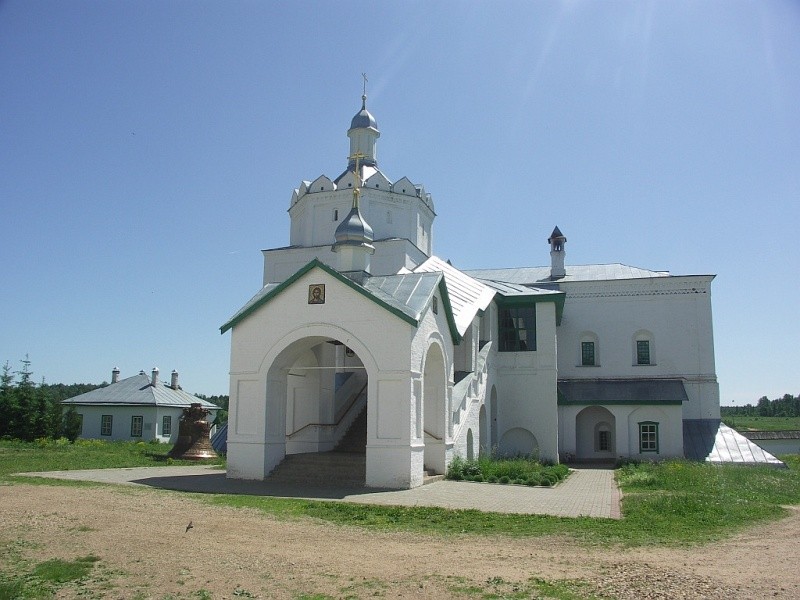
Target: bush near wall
[(519, 471)]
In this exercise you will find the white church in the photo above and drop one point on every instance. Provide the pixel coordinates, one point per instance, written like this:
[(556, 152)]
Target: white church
[(363, 342)]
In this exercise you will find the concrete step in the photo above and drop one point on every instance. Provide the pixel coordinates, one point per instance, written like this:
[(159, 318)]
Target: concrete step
[(355, 440), (324, 468)]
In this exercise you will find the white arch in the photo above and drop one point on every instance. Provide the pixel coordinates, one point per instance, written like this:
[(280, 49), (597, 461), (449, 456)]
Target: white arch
[(435, 407)]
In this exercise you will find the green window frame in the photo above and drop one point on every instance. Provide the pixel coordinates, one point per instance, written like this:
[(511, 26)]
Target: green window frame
[(106, 424), (166, 425), (648, 437), (137, 423), (642, 352), (517, 329), (587, 354)]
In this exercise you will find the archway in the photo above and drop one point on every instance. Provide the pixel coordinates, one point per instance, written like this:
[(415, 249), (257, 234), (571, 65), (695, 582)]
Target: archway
[(595, 433), (316, 403), (493, 440), (483, 434), (434, 402)]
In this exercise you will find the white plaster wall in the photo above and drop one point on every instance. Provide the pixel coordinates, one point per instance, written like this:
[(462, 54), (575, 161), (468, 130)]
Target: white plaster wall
[(381, 340), (389, 214), (390, 256), (121, 428), (676, 310), (626, 434), (526, 385)]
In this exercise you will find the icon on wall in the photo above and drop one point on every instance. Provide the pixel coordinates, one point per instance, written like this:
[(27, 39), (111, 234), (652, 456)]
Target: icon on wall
[(316, 293)]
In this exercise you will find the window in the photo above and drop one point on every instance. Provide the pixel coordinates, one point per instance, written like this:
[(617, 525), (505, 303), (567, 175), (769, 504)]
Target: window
[(435, 305), (648, 437), (80, 424), (604, 441), (136, 426), (166, 425), (335, 214), (517, 329), (587, 354), (643, 352), (106, 424)]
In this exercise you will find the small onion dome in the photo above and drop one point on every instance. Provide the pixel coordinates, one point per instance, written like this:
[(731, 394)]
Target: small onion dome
[(353, 230), (363, 119)]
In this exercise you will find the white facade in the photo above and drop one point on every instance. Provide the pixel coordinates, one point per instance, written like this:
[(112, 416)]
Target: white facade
[(138, 408), (592, 362)]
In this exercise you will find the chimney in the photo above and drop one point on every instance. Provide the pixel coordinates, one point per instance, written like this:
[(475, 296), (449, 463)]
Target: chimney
[(115, 375), (154, 381), (557, 253), (174, 383)]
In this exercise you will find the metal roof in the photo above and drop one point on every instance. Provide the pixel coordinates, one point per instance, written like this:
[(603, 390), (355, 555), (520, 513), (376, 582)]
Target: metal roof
[(621, 391), (532, 275), (265, 291), (510, 290), (467, 295), (710, 440), (137, 390), (409, 293)]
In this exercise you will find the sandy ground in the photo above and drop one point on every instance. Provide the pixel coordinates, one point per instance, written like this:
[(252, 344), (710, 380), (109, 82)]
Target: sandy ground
[(145, 551)]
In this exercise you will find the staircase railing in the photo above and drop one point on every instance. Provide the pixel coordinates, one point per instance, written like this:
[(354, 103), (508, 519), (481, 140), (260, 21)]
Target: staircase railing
[(356, 397)]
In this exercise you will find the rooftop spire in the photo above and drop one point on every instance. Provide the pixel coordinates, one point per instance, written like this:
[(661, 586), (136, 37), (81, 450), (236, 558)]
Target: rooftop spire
[(363, 133)]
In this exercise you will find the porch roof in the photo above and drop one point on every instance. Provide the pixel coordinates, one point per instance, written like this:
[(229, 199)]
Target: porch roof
[(621, 391)]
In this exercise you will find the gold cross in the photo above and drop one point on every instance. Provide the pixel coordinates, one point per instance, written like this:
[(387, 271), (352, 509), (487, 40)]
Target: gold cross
[(356, 177)]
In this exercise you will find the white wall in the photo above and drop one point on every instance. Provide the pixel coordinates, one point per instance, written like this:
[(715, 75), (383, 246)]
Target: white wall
[(380, 339), (526, 386), (121, 428), (675, 310)]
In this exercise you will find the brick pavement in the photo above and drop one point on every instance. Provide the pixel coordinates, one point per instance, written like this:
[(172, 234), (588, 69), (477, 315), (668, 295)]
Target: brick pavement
[(586, 492)]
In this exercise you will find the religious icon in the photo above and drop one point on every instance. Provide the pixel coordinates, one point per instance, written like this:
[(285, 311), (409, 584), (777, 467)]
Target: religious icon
[(316, 293)]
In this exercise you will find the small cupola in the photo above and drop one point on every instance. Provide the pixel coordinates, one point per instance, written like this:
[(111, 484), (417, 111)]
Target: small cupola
[(363, 134), (557, 242), (354, 236)]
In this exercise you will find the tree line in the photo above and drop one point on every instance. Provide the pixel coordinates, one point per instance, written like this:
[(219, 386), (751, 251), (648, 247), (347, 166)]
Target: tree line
[(30, 411), (785, 406)]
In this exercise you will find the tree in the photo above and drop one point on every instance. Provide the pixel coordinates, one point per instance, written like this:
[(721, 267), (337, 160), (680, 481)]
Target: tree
[(72, 424), (8, 402), (764, 407)]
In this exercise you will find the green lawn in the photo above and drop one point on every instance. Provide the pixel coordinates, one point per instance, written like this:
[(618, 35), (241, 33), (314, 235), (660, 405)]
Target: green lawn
[(763, 423), (674, 502), (60, 455)]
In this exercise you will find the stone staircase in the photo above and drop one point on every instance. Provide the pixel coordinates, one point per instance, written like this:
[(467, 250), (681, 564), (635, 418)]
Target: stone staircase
[(345, 466), (322, 469), (355, 440)]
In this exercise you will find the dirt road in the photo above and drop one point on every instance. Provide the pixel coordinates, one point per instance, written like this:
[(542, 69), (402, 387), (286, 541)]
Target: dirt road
[(145, 551)]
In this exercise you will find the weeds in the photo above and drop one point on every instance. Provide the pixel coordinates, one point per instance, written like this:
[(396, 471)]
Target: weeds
[(520, 471)]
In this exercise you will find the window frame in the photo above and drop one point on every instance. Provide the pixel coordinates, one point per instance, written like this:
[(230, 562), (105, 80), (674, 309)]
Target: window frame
[(137, 426), (649, 430), (106, 425), (644, 356), (521, 319), (166, 425), (584, 346)]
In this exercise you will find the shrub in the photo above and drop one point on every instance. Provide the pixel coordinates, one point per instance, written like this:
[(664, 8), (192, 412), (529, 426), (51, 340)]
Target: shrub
[(505, 479)]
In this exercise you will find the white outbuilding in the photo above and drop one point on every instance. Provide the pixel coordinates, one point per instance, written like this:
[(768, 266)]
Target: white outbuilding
[(138, 408), (363, 342)]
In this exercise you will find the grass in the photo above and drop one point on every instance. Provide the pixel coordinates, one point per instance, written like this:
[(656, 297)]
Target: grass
[(673, 502), (61, 455), (670, 503), (45, 578), (763, 423), (520, 471)]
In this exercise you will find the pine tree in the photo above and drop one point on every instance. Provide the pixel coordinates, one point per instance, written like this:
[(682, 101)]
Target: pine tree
[(8, 402)]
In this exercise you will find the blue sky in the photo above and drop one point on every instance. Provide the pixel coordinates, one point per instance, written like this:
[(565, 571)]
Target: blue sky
[(148, 152)]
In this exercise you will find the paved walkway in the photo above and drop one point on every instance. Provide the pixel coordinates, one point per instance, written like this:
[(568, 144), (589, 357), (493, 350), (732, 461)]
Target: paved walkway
[(586, 492)]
